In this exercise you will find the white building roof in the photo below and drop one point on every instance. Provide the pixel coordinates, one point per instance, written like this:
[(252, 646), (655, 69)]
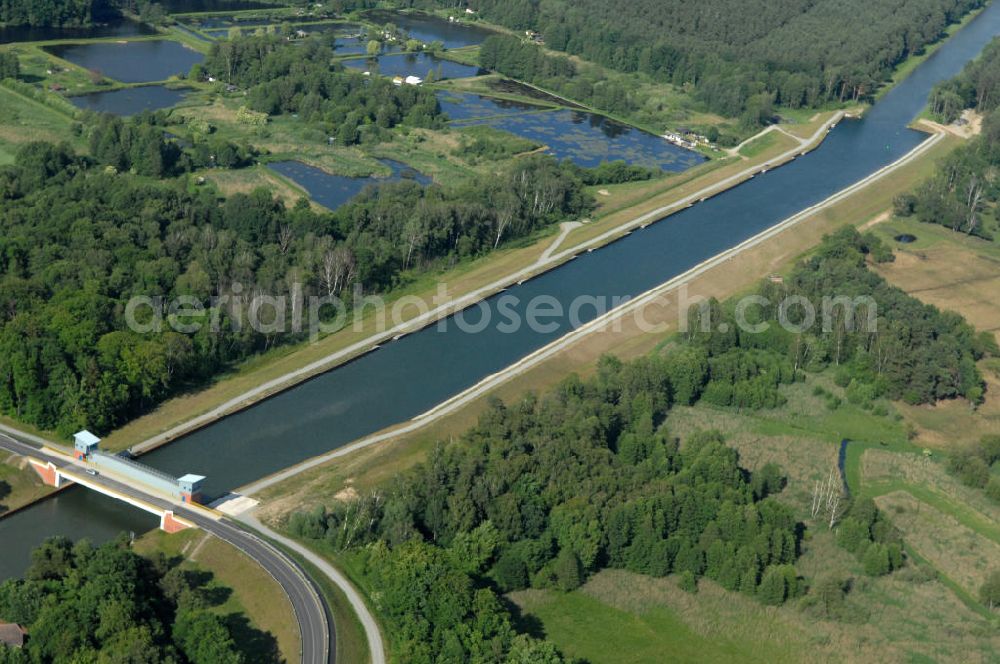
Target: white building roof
[(191, 479), (86, 438)]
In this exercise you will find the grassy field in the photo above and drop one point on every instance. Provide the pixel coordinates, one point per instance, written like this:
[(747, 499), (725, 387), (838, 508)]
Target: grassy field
[(250, 600), (19, 484), (592, 624), (26, 120), (958, 273), (768, 141)]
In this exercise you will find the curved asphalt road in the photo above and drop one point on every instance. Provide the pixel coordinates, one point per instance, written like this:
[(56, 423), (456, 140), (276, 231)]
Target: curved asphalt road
[(311, 611)]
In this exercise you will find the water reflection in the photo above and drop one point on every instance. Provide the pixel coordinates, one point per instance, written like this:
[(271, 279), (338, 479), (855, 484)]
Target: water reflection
[(131, 101), (414, 64)]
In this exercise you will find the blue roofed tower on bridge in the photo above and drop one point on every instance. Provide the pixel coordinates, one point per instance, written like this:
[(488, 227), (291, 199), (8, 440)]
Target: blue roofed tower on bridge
[(190, 488), (84, 445)]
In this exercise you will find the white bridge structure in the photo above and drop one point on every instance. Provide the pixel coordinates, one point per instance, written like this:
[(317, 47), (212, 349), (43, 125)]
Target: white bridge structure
[(120, 477)]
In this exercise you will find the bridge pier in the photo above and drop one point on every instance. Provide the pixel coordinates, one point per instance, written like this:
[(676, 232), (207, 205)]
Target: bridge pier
[(49, 473), (52, 477), (170, 525)]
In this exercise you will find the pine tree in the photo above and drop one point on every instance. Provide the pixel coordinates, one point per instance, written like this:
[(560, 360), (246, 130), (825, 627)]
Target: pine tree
[(569, 572), (772, 590)]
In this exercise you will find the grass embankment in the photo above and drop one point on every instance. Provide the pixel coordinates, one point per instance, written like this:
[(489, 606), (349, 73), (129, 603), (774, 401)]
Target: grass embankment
[(19, 484), (350, 635), (27, 120), (247, 598)]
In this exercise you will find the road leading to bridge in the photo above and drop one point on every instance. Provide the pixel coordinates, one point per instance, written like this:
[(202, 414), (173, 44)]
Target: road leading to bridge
[(311, 611)]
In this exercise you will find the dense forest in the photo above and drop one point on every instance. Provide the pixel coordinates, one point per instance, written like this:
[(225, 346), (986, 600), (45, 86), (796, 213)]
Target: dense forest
[(914, 352), (964, 191), (298, 78), (59, 13), (107, 604), (141, 145), (78, 240), (739, 56), (544, 493), (976, 87)]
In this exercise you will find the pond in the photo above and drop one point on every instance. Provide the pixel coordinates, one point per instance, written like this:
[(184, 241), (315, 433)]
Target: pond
[(27, 33), (905, 238), (508, 86), (583, 137), (131, 101), (428, 28), (470, 106), (414, 64), (131, 62), (332, 191)]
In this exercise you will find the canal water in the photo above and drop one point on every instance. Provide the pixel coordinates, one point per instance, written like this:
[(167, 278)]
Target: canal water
[(332, 191), (407, 377)]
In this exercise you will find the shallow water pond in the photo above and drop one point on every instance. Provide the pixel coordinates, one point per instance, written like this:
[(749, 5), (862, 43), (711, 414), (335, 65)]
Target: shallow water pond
[(131, 101), (332, 191), (585, 138), (27, 33)]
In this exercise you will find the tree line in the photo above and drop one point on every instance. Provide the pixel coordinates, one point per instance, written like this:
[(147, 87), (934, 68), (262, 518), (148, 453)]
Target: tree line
[(963, 191), (56, 13), (738, 57), (141, 144), (79, 240), (546, 491), (887, 344), (976, 87), (283, 77), (82, 603), (526, 61)]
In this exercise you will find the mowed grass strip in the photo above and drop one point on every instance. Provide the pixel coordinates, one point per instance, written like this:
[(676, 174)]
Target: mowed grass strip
[(955, 550), (25, 120), (584, 626)]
